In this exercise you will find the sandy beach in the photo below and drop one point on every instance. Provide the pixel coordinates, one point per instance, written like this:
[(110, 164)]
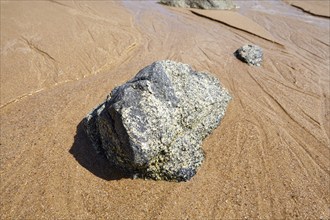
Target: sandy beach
[(269, 158)]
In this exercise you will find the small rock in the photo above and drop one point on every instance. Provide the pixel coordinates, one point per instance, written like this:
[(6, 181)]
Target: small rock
[(153, 125), (251, 54), (201, 4)]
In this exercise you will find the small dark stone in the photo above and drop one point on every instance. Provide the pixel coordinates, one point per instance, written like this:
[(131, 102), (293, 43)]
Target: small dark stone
[(201, 4), (250, 54), (153, 125)]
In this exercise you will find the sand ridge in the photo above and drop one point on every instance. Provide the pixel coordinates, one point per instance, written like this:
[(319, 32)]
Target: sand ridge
[(235, 20), (269, 159), (317, 8)]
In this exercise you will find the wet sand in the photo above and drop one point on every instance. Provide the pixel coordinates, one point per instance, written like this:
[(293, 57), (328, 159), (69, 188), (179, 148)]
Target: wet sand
[(269, 158)]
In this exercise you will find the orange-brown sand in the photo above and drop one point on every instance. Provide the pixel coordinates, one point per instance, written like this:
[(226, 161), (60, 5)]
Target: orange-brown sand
[(269, 158)]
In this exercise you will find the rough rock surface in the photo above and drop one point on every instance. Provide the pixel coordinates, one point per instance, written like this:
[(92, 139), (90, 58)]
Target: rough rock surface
[(201, 4), (251, 54), (153, 125)]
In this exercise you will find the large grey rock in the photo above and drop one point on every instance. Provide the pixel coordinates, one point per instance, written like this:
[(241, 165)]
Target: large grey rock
[(153, 125), (251, 54), (201, 4)]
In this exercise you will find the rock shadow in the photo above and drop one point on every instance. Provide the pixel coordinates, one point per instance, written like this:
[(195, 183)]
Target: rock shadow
[(86, 156), (238, 56)]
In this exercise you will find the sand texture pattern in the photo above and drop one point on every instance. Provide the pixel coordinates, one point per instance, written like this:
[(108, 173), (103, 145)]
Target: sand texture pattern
[(269, 159)]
